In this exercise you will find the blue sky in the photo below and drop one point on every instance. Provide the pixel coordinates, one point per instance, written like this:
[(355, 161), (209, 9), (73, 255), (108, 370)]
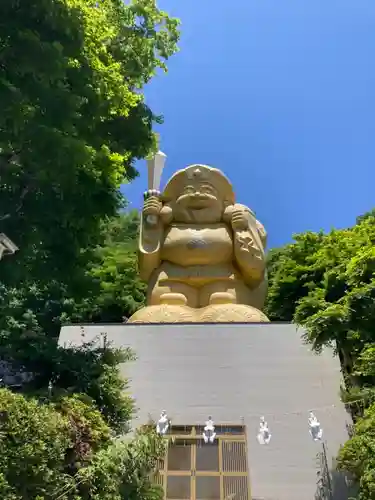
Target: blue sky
[(280, 95)]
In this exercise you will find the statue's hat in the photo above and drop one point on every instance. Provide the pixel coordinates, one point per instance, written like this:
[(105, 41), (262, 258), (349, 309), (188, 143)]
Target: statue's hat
[(197, 174)]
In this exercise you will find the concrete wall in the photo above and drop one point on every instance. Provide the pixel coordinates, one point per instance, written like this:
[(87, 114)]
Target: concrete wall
[(238, 372)]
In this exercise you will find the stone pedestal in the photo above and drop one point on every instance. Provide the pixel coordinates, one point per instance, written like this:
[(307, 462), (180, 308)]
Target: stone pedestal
[(238, 373)]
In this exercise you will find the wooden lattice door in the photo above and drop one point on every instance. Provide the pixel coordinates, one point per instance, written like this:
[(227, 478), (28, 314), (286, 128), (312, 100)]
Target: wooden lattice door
[(193, 470)]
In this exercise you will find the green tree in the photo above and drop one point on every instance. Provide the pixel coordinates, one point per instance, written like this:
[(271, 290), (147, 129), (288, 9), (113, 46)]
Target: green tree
[(73, 120), (117, 291), (357, 456), (123, 471), (110, 289), (92, 369), (291, 275), (26, 430), (64, 450), (327, 284)]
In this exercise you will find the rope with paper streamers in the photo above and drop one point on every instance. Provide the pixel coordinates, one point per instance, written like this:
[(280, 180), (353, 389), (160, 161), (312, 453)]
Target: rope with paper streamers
[(318, 409), (274, 417)]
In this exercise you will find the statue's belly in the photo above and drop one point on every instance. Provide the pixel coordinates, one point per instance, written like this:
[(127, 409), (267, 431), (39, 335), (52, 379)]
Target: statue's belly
[(190, 247)]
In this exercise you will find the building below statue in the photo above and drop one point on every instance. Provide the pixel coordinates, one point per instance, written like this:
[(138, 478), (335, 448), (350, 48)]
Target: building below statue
[(257, 378)]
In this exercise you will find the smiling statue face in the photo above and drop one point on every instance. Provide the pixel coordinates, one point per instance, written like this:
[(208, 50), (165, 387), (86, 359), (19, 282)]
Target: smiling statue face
[(198, 202)]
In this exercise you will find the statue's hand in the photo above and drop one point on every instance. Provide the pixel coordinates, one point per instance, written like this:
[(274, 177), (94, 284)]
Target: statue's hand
[(152, 206), (239, 219)]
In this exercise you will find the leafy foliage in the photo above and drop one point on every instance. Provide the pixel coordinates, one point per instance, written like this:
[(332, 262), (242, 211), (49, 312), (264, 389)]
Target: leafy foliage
[(73, 120), (89, 370), (65, 451), (327, 284), (119, 292), (123, 470), (110, 288), (27, 430), (358, 455)]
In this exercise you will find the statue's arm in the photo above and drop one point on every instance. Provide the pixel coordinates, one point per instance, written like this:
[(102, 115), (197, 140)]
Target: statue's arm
[(249, 238), (154, 218)]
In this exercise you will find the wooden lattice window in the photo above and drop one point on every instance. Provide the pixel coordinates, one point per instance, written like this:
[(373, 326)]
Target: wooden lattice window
[(197, 471)]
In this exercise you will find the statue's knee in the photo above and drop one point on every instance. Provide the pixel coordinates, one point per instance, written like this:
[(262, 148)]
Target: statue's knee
[(222, 298), (173, 298)]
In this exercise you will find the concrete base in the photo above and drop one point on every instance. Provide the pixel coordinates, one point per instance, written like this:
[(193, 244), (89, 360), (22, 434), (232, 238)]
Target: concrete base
[(237, 373)]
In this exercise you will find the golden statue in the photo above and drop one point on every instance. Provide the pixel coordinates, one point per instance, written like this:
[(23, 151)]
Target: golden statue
[(201, 253)]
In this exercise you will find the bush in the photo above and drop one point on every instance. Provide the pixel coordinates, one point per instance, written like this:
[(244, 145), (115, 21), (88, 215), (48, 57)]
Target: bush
[(65, 450)]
